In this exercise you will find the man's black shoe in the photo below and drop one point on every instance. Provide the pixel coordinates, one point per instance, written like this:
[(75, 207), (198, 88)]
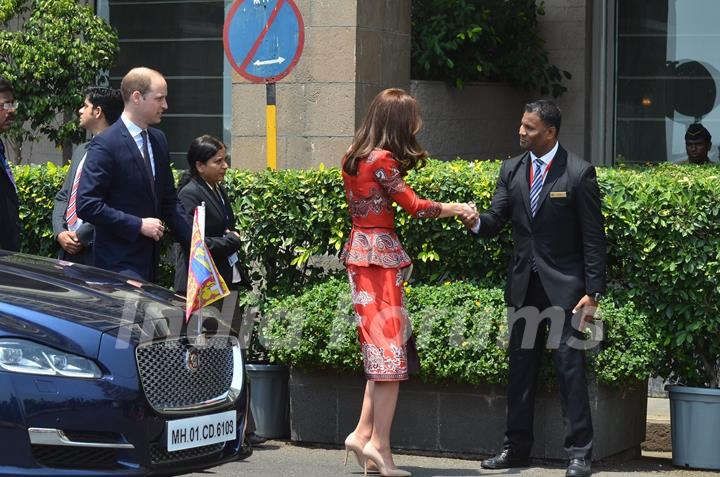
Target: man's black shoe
[(505, 460), (578, 468), (256, 439)]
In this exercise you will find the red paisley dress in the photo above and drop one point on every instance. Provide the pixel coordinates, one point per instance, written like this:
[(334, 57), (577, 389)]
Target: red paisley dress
[(375, 259)]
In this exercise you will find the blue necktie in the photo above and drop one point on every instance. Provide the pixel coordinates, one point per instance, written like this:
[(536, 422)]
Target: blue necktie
[(536, 187), (7, 166)]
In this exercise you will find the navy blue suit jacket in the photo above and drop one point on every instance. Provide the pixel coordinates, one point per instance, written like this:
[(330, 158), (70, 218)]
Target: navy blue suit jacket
[(115, 194)]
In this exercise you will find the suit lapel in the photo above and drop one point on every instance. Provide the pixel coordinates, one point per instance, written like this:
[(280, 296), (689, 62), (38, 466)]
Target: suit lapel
[(524, 176), (557, 168), (212, 199), (227, 208)]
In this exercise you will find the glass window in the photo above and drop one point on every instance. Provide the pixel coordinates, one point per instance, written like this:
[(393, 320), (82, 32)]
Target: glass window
[(668, 62), (183, 40)]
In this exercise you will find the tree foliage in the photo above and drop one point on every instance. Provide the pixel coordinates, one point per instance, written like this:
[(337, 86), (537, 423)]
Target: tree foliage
[(51, 50), (488, 40)]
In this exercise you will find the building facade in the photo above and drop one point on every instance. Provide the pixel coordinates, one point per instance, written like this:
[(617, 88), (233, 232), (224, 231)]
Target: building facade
[(643, 70)]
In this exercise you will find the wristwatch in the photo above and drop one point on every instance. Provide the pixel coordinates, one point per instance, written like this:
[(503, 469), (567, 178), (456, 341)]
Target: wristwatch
[(597, 296)]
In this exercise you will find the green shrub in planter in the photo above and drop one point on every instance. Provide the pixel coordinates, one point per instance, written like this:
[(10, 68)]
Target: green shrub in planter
[(459, 328), (497, 40)]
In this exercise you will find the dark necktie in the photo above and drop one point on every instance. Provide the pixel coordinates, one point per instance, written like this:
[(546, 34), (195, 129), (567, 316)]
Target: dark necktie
[(146, 156)]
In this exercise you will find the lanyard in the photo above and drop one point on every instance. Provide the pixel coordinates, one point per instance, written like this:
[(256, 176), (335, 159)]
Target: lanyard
[(532, 171)]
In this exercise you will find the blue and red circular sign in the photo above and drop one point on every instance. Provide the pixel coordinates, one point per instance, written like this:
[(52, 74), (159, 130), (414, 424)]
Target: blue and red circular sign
[(263, 39)]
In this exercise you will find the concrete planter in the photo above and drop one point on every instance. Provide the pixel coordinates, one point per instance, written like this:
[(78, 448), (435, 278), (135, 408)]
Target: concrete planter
[(457, 419)]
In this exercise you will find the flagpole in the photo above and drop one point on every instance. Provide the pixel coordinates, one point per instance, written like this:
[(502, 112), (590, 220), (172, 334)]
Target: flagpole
[(201, 219), (201, 226), (205, 285)]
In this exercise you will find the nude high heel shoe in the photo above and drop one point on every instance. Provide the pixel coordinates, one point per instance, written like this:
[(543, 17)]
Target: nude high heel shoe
[(371, 454), (352, 445)]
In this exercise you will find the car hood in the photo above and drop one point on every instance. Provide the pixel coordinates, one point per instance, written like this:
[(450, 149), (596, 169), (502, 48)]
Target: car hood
[(70, 306)]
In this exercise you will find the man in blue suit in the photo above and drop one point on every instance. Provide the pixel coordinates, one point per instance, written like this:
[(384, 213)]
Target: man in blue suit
[(127, 189)]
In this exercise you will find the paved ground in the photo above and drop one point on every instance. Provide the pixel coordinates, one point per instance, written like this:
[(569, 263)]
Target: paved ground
[(280, 459)]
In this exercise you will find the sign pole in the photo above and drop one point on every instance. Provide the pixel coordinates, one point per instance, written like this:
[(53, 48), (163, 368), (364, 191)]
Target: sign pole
[(271, 126)]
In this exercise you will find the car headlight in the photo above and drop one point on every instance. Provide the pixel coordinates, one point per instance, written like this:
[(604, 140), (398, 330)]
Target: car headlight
[(20, 356)]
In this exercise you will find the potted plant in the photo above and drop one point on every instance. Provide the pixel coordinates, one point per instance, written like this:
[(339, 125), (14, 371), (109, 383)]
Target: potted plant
[(694, 361), (268, 381)]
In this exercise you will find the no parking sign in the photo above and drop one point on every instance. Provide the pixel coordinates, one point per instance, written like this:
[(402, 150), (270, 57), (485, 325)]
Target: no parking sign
[(263, 39)]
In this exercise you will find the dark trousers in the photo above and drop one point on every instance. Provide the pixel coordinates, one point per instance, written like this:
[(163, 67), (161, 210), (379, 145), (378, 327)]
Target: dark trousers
[(570, 369)]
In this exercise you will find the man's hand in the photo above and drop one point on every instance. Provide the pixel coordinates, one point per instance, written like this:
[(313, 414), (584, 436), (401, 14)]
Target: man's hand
[(471, 217), (152, 228), (69, 242), (587, 306)]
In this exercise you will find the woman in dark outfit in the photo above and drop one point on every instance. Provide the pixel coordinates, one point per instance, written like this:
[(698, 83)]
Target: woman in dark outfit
[(207, 164)]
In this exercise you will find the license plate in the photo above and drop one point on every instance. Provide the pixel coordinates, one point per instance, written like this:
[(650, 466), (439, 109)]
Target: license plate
[(201, 431)]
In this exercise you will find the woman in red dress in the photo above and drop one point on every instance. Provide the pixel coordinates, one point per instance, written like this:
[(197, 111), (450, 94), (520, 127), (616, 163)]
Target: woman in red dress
[(383, 150)]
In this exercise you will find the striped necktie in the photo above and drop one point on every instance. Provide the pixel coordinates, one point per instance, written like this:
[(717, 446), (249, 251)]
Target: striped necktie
[(536, 186), (535, 189), (71, 214)]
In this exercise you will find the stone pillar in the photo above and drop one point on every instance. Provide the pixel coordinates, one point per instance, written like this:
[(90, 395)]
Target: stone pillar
[(564, 29), (353, 49)]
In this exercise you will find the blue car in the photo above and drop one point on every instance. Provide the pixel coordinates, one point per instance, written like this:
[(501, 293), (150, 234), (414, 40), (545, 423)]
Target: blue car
[(102, 376)]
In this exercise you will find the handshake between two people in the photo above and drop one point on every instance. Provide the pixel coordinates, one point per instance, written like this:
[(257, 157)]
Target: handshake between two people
[(467, 213)]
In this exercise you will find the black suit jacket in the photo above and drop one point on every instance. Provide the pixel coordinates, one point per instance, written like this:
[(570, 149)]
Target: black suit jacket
[(86, 232), (114, 194), (566, 236), (9, 213), (219, 217)]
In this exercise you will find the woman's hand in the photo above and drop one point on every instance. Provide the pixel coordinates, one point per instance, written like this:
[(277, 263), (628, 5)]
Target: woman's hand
[(466, 213)]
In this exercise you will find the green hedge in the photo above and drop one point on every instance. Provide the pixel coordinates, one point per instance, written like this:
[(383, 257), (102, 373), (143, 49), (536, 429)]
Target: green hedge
[(663, 226), (459, 328), (37, 186)]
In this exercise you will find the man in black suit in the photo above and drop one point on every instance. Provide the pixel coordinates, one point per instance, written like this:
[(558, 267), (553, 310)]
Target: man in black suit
[(9, 213), (101, 108), (127, 189), (552, 200)]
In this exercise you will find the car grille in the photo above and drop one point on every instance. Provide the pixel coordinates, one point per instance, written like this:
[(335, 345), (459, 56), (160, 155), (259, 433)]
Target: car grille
[(160, 455), (168, 382), (75, 457)]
